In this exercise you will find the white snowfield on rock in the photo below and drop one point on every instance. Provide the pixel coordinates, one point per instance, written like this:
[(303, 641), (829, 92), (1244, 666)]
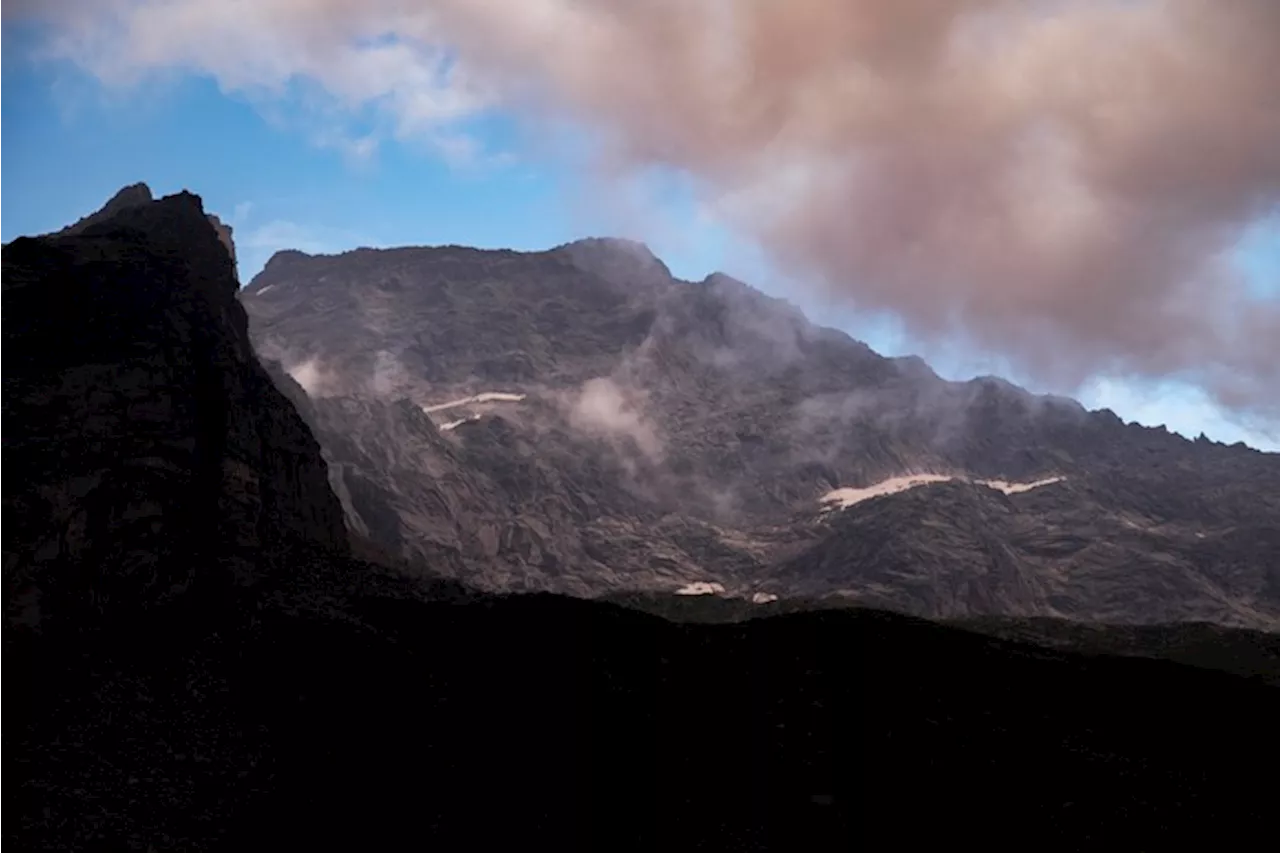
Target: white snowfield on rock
[(842, 498), (459, 422), (701, 588), (483, 397), (713, 588), (474, 399)]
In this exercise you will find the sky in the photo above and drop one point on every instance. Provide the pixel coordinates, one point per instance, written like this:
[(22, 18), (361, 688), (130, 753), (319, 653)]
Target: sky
[(291, 165)]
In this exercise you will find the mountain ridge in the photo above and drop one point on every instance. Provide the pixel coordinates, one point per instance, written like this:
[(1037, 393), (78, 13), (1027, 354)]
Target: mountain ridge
[(697, 427), (915, 361)]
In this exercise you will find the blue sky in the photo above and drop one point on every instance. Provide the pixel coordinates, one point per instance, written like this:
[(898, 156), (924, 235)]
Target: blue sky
[(269, 168)]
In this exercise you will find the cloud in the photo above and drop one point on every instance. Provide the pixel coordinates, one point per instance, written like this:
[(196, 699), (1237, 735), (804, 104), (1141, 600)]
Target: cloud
[(315, 379), (389, 374), (1057, 183), (345, 64), (1054, 182), (605, 408), (240, 214)]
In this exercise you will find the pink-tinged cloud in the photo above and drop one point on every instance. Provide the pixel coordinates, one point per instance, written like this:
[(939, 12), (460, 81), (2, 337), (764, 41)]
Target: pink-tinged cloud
[(1054, 182)]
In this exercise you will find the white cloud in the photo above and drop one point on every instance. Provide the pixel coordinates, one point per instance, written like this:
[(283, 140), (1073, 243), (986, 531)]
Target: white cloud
[(383, 69), (314, 378), (339, 63), (603, 407), (240, 214)]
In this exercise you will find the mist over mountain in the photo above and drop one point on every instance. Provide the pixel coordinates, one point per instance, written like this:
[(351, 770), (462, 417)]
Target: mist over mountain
[(578, 420)]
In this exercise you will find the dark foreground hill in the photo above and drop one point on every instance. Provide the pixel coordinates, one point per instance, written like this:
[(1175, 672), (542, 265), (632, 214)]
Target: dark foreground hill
[(197, 659), (387, 723)]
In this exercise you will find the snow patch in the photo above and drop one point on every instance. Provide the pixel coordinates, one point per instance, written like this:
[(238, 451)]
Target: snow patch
[(484, 397), (842, 498), (264, 290), (700, 588), (763, 598), (1016, 488), (451, 425)]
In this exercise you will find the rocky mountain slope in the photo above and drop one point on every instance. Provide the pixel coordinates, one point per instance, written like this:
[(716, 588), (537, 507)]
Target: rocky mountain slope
[(203, 663), (578, 420)]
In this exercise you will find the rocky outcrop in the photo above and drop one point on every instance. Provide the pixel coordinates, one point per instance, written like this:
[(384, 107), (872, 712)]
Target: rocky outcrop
[(147, 452), (137, 195), (224, 232)]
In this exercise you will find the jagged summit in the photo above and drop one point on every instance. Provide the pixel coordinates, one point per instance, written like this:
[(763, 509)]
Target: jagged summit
[(132, 195), (129, 196), (139, 195)]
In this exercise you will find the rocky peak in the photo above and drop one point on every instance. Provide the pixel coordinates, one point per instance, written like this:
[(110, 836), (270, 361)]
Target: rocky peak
[(619, 260), (284, 257), (154, 453), (139, 195), (133, 195)]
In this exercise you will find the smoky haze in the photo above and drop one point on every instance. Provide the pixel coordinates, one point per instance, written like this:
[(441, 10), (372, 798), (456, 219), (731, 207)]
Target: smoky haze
[(1055, 183)]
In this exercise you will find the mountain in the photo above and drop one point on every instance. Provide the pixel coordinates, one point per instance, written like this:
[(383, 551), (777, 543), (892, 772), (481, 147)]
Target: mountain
[(201, 657), (578, 420), (135, 411)]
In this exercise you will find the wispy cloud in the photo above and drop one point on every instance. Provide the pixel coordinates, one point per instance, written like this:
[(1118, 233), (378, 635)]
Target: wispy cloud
[(1058, 184), (351, 77), (240, 214), (928, 159)]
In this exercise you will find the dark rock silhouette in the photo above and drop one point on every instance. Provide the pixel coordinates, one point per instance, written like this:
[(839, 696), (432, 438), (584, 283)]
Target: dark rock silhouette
[(212, 666), (148, 453)]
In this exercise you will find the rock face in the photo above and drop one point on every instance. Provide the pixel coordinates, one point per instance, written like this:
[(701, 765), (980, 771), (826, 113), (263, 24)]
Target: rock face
[(136, 412), (672, 432), (224, 232)]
